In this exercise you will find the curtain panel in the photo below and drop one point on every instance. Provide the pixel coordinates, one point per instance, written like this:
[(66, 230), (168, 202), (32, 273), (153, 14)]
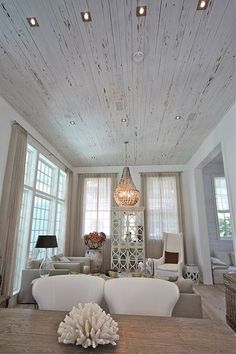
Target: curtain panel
[(95, 200), (161, 197), (69, 234), (11, 205)]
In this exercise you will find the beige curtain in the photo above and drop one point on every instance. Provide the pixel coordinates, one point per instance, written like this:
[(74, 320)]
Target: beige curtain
[(80, 247), (69, 232), (11, 205), (161, 197)]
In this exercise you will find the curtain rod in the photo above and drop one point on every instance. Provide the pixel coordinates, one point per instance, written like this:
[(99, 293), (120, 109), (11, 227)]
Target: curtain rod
[(50, 153)]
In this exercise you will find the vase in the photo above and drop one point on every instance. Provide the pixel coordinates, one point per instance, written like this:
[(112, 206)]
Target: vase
[(95, 255)]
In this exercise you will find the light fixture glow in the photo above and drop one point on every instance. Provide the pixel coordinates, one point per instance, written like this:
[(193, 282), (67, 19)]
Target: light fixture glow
[(141, 10), (126, 193), (86, 16), (123, 120), (32, 21), (178, 117), (202, 4), (72, 122)]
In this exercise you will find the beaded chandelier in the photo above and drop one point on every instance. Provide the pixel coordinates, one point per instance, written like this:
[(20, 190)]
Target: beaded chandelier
[(126, 193)]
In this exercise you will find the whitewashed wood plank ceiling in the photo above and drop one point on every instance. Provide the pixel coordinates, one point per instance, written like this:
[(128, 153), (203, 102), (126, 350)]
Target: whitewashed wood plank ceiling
[(68, 70)]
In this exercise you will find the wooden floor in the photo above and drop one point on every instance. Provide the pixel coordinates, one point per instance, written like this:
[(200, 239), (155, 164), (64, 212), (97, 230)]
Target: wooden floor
[(213, 301)]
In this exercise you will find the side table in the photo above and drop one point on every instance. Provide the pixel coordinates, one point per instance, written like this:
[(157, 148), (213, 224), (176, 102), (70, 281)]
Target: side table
[(191, 271), (230, 298)]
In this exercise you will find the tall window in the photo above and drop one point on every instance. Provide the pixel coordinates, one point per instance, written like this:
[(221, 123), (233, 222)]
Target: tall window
[(97, 205), (222, 208), (161, 206), (43, 207)]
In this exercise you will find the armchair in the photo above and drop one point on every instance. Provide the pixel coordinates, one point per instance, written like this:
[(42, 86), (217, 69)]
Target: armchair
[(164, 267)]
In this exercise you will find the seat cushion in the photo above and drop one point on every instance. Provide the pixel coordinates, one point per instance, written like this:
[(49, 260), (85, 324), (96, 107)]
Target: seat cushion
[(171, 267)]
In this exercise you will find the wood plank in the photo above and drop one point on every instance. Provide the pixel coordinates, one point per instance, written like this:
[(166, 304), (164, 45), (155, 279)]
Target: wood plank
[(32, 331)]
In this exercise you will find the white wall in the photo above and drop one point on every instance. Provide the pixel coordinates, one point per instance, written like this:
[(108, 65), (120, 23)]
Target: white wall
[(7, 116), (195, 213)]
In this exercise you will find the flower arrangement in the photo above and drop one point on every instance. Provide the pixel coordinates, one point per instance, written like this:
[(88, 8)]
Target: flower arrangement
[(94, 239)]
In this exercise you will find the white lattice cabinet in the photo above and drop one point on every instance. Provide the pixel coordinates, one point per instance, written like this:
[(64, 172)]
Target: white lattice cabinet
[(127, 241)]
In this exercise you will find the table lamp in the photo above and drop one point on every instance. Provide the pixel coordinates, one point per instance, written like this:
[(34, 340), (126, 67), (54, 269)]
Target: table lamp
[(46, 241)]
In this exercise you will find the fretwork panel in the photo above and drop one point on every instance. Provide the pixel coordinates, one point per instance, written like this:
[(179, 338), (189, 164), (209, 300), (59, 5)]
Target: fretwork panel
[(127, 243)]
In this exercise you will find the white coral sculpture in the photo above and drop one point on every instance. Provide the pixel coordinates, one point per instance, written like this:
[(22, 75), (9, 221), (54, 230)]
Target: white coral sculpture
[(88, 325)]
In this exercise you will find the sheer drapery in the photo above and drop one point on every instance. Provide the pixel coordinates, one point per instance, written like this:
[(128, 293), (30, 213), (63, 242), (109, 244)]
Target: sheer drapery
[(69, 234), (162, 201), (11, 205), (95, 200)]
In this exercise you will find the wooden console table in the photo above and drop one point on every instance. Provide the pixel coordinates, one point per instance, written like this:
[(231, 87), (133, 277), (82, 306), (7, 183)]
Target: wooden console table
[(35, 332)]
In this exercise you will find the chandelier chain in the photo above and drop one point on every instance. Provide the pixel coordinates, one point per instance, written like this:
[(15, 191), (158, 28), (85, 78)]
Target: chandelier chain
[(126, 153)]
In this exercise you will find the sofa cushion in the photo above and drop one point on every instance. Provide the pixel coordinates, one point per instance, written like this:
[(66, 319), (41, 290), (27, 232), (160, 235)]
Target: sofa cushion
[(171, 267), (64, 259), (218, 266), (73, 267)]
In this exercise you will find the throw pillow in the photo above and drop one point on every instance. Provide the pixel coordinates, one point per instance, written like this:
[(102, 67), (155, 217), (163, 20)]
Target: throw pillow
[(34, 263), (223, 256), (56, 257), (171, 257), (217, 261)]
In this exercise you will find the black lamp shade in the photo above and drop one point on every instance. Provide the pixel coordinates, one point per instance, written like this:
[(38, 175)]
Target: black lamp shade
[(46, 241)]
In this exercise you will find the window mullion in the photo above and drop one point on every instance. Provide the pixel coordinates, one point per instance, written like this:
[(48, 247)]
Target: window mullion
[(56, 201)]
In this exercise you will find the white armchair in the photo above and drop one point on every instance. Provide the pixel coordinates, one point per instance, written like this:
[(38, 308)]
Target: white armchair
[(163, 267)]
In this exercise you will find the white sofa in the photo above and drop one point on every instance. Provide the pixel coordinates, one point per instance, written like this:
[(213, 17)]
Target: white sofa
[(75, 265), (220, 263)]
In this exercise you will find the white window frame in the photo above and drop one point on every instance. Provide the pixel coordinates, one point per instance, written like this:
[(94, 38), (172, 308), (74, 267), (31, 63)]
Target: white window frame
[(84, 210), (221, 238), (53, 198)]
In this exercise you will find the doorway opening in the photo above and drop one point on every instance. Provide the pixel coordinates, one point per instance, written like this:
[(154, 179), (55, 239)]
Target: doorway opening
[(219, 226)]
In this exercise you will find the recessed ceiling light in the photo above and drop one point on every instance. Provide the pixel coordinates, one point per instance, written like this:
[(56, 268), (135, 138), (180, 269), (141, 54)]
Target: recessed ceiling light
[(202, 4), (138, 56), (141, 10), (123, 120), (178, 117), (72, 122), (33, 21), (86, 16)]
